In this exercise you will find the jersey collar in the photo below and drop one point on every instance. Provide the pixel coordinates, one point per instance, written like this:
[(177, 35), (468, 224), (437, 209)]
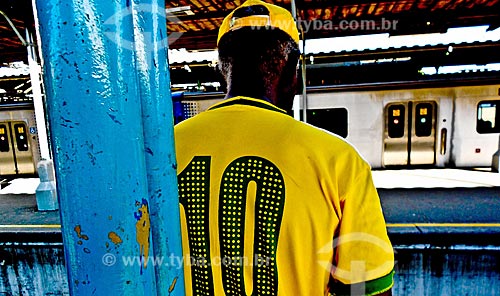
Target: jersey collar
[(240, 100)]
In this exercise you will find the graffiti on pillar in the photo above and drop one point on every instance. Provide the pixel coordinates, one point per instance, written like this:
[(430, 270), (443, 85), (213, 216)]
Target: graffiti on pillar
[(142, 227)]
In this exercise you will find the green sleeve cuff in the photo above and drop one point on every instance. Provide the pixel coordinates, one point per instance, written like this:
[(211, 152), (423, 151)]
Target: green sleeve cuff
[(368, 288)]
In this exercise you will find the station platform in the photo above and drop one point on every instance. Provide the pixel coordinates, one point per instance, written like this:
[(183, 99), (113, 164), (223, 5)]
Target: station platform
[(444, 225), (436, 178), (421, 206), (385, 179)]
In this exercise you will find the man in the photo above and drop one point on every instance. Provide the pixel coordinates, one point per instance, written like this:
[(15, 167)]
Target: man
[(270, 205)]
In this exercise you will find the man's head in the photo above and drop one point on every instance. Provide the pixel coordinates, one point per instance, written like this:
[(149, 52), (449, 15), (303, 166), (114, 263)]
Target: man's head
[(258, 52)]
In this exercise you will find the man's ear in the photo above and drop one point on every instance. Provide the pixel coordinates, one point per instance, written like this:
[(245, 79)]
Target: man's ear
[(288, 84), (300, 83)]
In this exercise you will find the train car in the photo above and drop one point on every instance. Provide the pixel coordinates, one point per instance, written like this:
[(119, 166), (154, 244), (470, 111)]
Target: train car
[(19, 146), (444, 126), (455, 126)]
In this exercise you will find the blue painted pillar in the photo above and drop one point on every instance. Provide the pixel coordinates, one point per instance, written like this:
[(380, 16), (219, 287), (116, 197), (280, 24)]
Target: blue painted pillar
[(154, 81), (95, 94)]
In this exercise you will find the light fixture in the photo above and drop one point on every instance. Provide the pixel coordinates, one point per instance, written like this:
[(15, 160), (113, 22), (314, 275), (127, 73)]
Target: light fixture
[(180, 10)]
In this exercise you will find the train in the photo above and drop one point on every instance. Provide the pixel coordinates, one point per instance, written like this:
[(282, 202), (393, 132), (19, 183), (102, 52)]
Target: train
[(19, 145), (397, 126), (391, 126)]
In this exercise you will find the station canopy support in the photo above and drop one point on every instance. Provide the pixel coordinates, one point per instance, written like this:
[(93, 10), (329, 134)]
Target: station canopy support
[(111, 126)]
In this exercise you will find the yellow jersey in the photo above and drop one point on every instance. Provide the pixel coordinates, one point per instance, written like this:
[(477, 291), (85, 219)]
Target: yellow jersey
[(273, 206)]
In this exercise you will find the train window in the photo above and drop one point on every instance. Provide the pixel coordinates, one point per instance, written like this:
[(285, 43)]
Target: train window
[(4, 139), (423, 119), (333, 120), (21, 137), (488, 117), (396, 121)]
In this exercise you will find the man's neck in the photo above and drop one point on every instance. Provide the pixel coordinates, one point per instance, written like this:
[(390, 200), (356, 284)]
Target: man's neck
[(229, 96), (232, 94)]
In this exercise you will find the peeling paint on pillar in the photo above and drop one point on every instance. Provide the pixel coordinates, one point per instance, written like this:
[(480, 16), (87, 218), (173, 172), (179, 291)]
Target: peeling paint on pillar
[(97, 133), (78, 230), (142, 227), (154, 81), (115, 238)]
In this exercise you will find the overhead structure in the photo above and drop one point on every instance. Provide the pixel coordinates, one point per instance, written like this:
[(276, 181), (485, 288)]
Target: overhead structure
[(321, 19), (17, 13), (193, 24)]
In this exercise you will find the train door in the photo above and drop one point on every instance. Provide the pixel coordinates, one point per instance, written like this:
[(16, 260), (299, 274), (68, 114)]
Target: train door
[(15, 152), (410, 133)]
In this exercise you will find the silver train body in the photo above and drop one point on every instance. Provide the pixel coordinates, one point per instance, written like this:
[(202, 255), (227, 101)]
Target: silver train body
[(19, 146), (446, 126), (451, 126)]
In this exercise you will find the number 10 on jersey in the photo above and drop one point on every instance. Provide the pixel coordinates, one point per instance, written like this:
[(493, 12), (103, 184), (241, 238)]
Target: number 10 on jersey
[(195, 197)]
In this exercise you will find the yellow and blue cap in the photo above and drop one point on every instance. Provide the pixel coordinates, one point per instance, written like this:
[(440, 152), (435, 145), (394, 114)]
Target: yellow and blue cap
[(262, 15)]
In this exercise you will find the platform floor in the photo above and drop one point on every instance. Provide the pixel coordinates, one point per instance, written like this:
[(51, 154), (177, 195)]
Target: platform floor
[(435, 178), (385, 179), (420, 206), (20, 186)]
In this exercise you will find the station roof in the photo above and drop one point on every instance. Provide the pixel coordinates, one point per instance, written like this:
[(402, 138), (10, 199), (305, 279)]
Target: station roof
[(20, 14), (197, 21)]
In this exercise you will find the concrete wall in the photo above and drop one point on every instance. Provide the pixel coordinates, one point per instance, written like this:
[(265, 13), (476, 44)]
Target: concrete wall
[(436, 271), (39, 270), (32, 270)]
